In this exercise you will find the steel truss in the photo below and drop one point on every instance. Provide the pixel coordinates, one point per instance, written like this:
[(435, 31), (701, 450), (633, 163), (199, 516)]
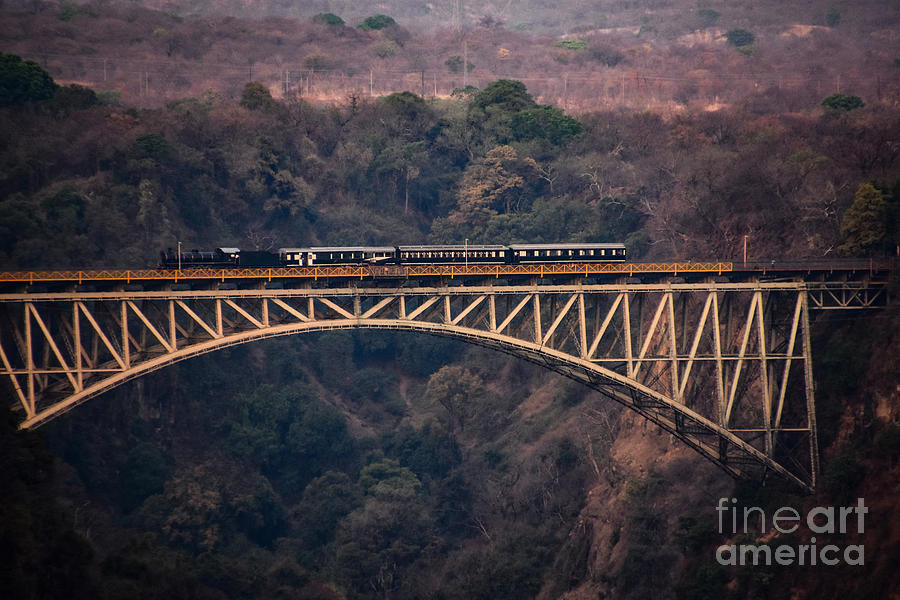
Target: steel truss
[(725, 367)]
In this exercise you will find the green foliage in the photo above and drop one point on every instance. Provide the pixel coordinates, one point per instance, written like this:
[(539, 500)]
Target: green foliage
[(459, 391), (68, 10), (288, 434), (23, 81), (385, 48), (693, 533), (466, 93), (887, 442), (702, 581), (505, 95), (842, 475), (739, 37), (153, 145), (334, 357), (748, 50), (70, 98), (707, 17), (109, 97), (429, 451), (455, 65), (376, 22), (863, 227), (388, 480), (326, 500), (845, 102), (256, 96), (143, 473), (545, 122), (43, 556), (327, 19), (571, 44), (202, 511)]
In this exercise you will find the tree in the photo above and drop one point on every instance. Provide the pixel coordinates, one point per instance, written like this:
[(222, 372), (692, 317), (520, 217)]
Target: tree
[(326, 500), (455, 64), (256, 96), (544, 122), (844, 102), (458, 390), (23, 81), (327, 19), (507, 95), (377, 22), (489, 186), (740, 37), (864, 228)]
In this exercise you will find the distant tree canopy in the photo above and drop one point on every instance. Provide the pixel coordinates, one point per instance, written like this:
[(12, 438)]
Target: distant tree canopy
[(740, 37), (544, 122), (455, 64), (864, 227), (256, 96), (505, 94), (708, 17), (406, 104), (377, 22), (843, 102), (23, 81), (327, 19)]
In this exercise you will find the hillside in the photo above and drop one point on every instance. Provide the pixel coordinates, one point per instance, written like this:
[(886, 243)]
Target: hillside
[(666, 58), (379, 465)]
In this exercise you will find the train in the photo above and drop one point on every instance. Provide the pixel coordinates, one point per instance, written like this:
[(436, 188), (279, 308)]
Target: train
[(456, 254)]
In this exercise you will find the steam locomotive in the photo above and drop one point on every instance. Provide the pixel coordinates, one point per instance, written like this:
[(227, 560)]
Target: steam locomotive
[(223, 258)]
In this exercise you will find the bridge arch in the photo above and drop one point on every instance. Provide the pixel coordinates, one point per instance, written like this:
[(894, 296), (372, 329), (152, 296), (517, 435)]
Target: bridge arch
[(623, 342)]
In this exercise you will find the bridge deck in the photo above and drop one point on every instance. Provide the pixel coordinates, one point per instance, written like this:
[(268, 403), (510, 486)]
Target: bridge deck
[(853, 268)]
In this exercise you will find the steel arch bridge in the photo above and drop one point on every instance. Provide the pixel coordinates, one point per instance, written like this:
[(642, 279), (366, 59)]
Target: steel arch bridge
[(725, 367)]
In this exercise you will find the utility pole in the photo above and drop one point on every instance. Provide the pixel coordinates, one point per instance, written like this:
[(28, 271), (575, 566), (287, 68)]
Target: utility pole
[(746, 237), (179, 256), (465, 64)]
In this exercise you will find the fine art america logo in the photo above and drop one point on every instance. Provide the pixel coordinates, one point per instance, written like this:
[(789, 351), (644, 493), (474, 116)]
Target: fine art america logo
[(820, 520)]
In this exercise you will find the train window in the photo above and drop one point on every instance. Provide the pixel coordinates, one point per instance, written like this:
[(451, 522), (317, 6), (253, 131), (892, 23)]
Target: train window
[(603, 253)]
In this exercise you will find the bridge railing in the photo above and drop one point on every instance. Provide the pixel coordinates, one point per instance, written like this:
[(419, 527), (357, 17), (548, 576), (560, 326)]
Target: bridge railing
[(674, 268)]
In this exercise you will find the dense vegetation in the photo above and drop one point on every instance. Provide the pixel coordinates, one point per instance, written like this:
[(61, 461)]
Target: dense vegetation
[(662, 56), (112, 185), (375, 465)]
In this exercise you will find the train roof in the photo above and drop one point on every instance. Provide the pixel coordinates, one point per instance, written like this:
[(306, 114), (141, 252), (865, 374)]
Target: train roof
[(452, 247), (229, 250), (560, 246), (339, 249)]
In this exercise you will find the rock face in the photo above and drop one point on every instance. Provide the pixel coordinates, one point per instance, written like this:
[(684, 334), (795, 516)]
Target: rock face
[(626, 527)]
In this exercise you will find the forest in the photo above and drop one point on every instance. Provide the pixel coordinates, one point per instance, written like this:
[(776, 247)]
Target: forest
[(380, 465)]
